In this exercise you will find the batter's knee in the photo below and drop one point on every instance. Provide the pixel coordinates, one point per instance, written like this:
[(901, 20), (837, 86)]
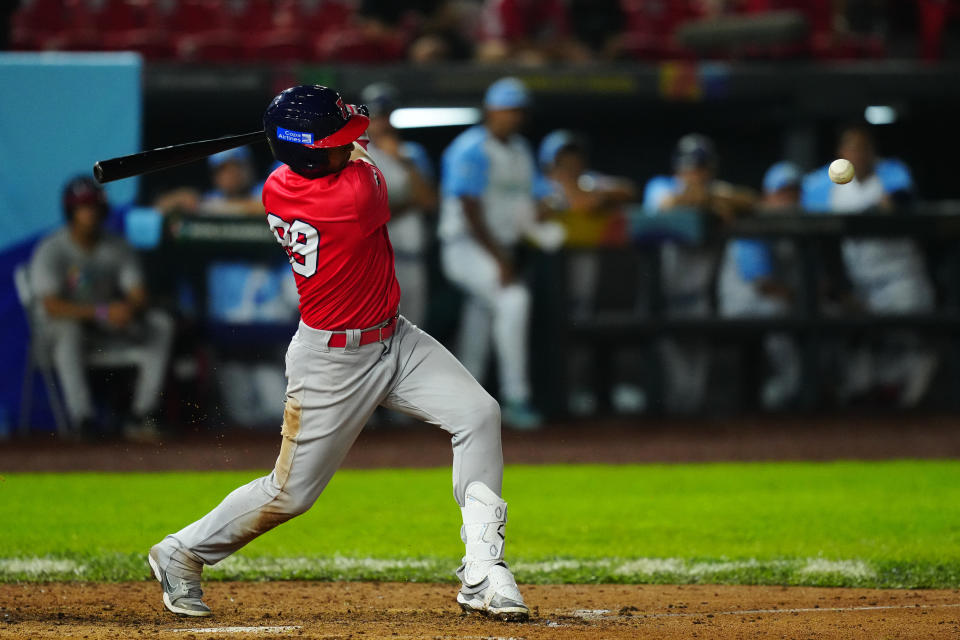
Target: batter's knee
[(484, 413), (292, 505)]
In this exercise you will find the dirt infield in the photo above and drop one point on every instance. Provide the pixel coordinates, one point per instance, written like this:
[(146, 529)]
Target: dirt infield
[(395, 611), (874, 437)]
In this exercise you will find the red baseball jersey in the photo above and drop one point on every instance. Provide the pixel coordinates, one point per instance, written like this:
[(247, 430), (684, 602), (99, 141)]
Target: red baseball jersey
[(334, 230)]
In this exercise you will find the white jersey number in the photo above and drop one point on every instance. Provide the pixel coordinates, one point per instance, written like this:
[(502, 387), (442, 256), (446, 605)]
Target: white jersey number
[(300, 240)]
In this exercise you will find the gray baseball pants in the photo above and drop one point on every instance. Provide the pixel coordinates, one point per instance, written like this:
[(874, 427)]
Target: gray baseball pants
[(331, 393), (146, 345)]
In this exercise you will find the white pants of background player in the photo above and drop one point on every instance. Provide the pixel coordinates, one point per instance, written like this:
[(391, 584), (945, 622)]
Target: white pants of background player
[(686, 275), (491, 309), (890, 278), (740, 299), (331, 393)]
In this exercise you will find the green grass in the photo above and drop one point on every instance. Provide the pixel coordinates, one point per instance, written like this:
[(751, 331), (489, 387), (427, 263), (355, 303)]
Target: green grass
[(888, 524)]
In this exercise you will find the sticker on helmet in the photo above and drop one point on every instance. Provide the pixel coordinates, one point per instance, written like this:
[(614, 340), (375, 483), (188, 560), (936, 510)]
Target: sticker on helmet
[(300, 137)]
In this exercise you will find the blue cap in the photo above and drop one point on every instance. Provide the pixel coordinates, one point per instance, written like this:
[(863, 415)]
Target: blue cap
[(780, 176), (380, 97), (693, 151), (240, 154), (507, 93), (551, 145)]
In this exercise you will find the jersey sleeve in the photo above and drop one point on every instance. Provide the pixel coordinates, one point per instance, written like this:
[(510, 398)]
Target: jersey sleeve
[(129, 273), (753, 259), (420, 159), (815, 191), (541, 187), (895, 176), (46, 278), (370, 195), (465, 170), (657, 190)]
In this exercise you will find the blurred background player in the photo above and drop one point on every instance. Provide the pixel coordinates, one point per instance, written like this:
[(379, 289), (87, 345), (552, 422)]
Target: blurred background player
[(93, 297), (491, 192), (235, 188), (687, 273), (887, 276), (413, 195), (589, 205), (241, 291), (758, 278), (587, 202)]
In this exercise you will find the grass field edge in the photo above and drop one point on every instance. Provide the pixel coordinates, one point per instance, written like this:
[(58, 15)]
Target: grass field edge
[(816, 571)]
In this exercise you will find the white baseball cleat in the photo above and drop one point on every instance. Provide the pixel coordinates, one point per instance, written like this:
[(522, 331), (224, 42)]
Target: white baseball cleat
[(488, 586), (497, 596), (182, 596)]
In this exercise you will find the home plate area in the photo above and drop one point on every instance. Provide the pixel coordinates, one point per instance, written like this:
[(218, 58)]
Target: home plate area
[(409, 610)]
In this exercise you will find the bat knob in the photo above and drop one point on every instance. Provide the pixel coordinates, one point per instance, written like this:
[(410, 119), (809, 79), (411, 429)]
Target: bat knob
[(98, 172)]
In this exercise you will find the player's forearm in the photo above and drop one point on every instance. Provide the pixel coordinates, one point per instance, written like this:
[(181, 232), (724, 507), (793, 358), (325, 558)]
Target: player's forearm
[(473, 212), (60, 308), (423, 194), (359, 153), (137, 299)]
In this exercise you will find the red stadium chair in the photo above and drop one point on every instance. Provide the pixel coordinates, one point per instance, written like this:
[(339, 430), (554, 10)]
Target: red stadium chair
[(152, 44), (353, 45), (215, 46), (199, 16), (254, 16), (327, 16), (280, 45)]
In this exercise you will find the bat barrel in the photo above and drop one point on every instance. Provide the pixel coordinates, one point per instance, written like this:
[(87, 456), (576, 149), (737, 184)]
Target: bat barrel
[(167, 157)]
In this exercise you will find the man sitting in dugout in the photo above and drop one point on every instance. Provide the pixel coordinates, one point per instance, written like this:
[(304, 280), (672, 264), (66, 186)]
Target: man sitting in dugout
[(92, 298)]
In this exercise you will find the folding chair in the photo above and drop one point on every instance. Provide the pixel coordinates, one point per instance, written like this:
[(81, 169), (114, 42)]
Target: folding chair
[(39, 359)]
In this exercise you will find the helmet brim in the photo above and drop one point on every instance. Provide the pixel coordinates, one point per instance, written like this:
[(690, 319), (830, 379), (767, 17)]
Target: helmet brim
[(349, 132)]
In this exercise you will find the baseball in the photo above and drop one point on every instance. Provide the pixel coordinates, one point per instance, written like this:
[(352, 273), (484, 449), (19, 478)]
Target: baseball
[(841, 171)]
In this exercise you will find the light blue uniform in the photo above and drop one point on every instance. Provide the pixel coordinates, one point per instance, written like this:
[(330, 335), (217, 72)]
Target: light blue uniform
[(748, 261), (502, 176), (888, 275), (686, 275)]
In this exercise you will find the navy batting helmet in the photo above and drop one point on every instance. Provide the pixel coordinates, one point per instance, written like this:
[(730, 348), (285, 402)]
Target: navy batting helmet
[(83, 190), (304, 121)]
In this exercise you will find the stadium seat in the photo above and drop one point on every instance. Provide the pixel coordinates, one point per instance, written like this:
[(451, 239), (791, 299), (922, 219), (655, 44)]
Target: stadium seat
[(353, 45), (214, 46), (152, 44), (328, 15), (278, 45), (35, 21), (199, 16)]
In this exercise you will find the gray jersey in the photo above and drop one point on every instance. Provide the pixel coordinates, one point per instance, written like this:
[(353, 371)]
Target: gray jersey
[(61, 268)]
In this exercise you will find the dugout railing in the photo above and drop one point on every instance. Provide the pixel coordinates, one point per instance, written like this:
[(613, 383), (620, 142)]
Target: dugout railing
[(190, 244), (606, 332)]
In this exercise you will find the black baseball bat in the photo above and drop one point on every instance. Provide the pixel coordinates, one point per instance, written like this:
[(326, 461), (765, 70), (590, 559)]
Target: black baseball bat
[(166, 157)]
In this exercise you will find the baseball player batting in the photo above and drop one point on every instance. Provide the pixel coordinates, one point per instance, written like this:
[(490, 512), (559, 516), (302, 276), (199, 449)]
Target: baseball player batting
[(353, 351)]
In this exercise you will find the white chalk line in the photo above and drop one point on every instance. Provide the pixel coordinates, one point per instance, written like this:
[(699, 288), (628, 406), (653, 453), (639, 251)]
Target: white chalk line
[(275, 629), (660, 568), (601, 614)]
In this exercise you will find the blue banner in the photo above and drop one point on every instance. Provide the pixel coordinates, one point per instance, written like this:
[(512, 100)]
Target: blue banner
[(59, 113)]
